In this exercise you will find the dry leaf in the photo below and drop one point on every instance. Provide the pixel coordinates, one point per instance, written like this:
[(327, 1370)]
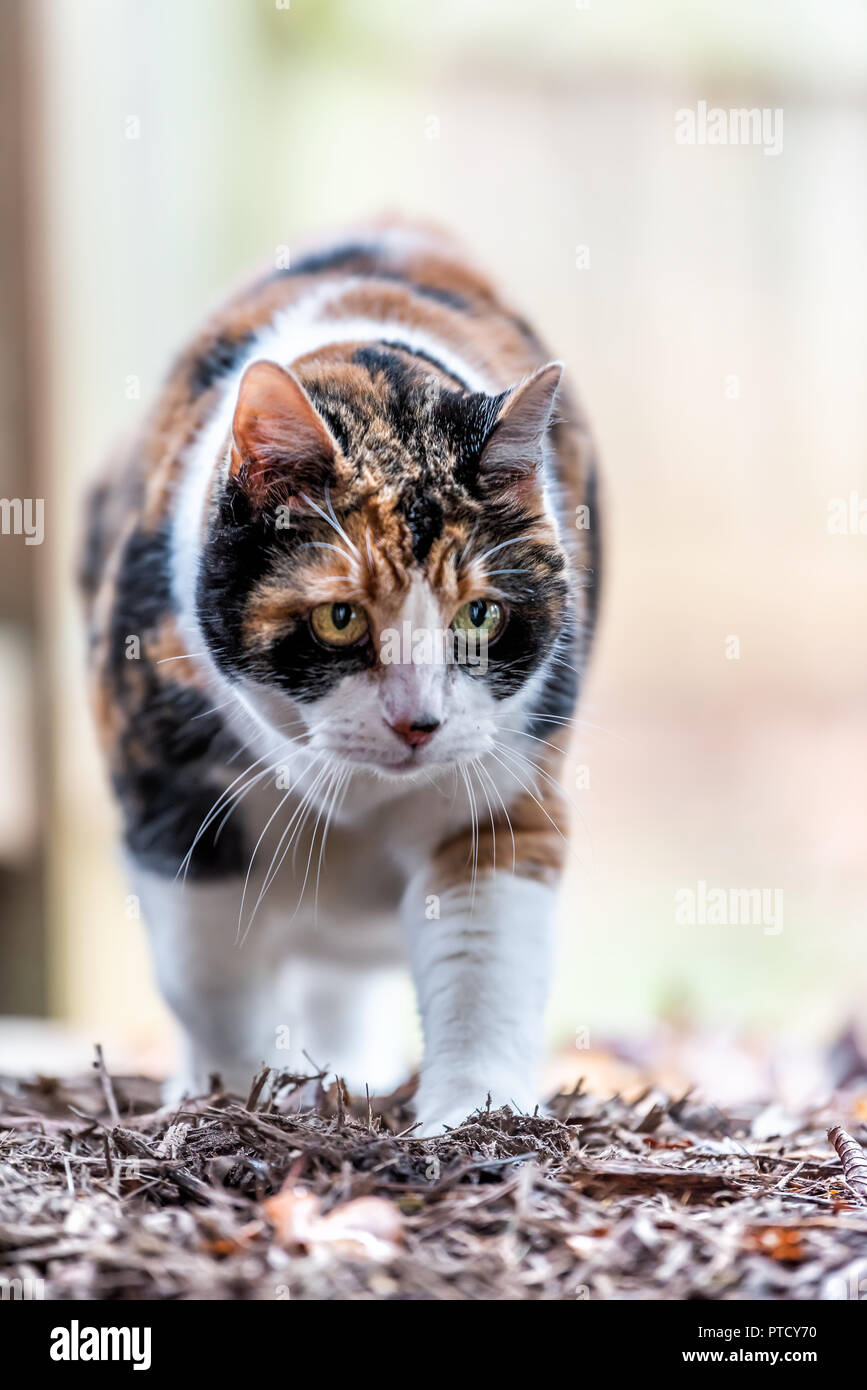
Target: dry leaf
[(235, 1244), (779, 1242), (853, 1159), (367, 1228), (293, 1213)]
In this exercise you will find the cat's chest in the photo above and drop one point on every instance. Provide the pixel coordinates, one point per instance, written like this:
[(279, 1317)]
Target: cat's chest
[(330, 844), (304, 851)]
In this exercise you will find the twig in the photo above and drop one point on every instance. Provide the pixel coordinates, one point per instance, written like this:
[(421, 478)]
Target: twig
[(107, 1088), (788, 1176), (256, 1089)]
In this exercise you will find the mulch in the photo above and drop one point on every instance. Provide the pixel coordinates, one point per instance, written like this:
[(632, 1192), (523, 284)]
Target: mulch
[(301, 1191)]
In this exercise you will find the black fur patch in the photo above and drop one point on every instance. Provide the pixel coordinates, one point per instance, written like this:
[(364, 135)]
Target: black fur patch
[(222, 357), (448, 297), (301, 666), (359, 258), (423, 357), (235, 558), (335, 258), (96, 542), (242, 549), (536, 611), (164, 808), (169, 739), (559, 694), (467, 420), (424, 517), (594, 585), (398, 374)]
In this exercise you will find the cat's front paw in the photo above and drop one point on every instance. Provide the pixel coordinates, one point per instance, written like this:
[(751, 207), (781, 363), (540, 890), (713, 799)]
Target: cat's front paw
[(435, 1120), (194, 1082), (442, 1107)]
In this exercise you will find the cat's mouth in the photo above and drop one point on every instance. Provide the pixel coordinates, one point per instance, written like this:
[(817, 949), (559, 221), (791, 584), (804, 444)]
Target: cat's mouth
[(408, 761), (412, 761), (402, 763), (421, 763)]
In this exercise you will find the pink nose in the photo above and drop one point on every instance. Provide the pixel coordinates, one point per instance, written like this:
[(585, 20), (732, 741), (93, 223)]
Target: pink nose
[(417, 733)]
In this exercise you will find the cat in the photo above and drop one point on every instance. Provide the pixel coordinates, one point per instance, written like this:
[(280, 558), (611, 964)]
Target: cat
[(342, 586)]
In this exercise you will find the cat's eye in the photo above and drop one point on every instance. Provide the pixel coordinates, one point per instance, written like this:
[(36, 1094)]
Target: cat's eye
[(339, 624), (480, 615)]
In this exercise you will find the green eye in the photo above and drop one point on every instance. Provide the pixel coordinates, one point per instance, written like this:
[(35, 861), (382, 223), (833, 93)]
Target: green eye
[(479, 615), (338, 624)]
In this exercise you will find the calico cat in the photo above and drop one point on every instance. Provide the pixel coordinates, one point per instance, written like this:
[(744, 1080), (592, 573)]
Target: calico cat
[(359, 460)]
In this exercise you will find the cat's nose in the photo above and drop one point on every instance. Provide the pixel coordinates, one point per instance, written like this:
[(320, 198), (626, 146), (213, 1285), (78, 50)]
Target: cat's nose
[(416, 732)]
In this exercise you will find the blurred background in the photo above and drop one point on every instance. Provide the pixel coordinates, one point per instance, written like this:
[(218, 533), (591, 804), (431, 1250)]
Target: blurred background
[(711, 304)]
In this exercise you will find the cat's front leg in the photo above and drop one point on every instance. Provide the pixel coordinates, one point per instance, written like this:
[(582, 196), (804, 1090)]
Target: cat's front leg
[(222, 994), (481, 965)]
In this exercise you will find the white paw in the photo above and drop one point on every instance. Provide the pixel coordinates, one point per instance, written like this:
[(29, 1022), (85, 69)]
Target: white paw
[(188, 1084), (439, 1122), (176, 1088), (440, 1108)]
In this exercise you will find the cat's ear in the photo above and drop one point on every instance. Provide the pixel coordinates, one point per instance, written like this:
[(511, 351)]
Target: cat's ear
[(512, 452), (281, 446)]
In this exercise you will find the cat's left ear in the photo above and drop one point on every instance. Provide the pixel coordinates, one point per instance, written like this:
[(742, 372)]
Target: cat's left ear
[(281, 446), (512, 452)]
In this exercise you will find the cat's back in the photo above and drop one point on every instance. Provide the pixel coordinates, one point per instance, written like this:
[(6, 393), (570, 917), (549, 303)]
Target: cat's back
[(393, 278)]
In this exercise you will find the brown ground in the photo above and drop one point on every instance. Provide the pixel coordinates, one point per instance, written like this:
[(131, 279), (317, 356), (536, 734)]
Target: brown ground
[(103, 1194)]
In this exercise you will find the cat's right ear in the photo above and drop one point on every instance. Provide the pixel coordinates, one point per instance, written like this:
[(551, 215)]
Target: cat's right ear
[(281, 446)]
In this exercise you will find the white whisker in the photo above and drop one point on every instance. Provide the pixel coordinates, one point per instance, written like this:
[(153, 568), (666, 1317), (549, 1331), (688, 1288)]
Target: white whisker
[(218, 805), (505, 728), (337, 799), (474, 843), (275, 864), (531, 765), (335, 774), (495, 789), (332, 520), (474, 767), (573, 722), (512, 773), (239, 937)]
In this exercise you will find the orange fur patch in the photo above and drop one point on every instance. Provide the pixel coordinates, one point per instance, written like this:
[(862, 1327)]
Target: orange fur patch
[(539, 846)]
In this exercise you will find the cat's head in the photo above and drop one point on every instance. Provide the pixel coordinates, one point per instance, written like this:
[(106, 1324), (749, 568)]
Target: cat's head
[(382, 574)]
